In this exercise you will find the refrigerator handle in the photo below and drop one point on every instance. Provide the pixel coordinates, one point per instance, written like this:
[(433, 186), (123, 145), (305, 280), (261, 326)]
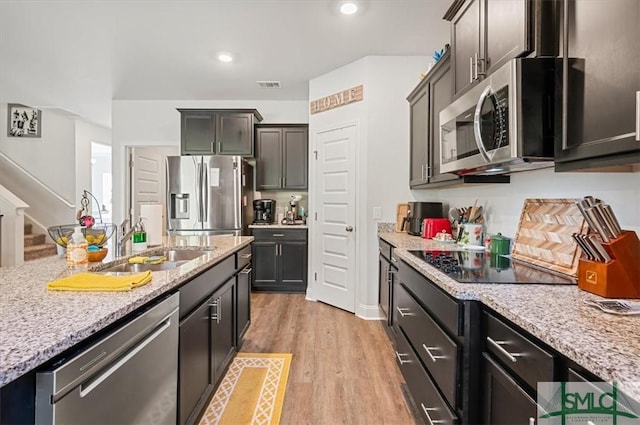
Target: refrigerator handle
[(205, 191), (199, 190)]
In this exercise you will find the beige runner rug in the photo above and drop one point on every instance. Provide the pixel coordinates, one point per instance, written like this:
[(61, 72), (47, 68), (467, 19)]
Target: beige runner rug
[(251, 392)]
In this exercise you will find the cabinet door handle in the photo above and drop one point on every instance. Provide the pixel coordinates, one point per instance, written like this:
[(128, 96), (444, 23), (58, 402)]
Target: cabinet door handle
[(532, 421), (215, 304), (427, 172), (638, 116), (349, 228), (498, 346), (431, 356), (470, 69), (426, 412), (246, 256), (247, 270), (478, 61), (212, 144), (394, 260), (403, 313), (399, 356)]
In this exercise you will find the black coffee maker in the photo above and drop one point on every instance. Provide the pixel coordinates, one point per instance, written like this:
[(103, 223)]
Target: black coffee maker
[(263, 211)]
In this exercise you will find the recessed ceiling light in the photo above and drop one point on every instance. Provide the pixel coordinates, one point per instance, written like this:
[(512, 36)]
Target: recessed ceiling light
[(349, 8), (225, 57)]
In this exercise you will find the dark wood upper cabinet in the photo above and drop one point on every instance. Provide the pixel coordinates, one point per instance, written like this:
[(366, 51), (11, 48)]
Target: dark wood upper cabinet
[(282, 157), (599, 86), (215, 131), (432, 94), (485, 34)]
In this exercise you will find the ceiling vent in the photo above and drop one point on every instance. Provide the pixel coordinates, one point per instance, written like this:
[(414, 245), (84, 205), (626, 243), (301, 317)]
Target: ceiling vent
[(269, 84)]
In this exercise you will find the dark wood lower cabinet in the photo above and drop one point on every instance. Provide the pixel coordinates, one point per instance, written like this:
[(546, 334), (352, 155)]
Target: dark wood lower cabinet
[(280, 260), (222, 331), (196, 378), (505, 402), (243, 304), (215, 314)]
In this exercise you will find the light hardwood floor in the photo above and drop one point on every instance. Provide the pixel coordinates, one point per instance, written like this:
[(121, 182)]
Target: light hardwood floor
[(343, 369)]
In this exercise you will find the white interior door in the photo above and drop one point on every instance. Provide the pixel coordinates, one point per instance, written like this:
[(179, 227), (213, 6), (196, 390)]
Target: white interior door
[(147, 178), (334, 229)]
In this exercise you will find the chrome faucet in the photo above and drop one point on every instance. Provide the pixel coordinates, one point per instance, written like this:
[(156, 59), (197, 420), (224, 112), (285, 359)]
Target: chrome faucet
[(123, 236)]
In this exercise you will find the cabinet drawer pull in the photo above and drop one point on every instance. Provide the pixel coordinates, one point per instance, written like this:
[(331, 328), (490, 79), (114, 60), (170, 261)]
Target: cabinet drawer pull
[(532, 421), (246, 270), (399, 356), (402, 313), (379, 249), (433, 358), (498, 346), (246, 256), (638, 116), (394, 260), (278, 235), (426, 412)]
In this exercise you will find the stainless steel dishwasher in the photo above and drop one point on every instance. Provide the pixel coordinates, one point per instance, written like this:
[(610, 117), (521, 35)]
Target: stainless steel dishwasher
[(129, 376)]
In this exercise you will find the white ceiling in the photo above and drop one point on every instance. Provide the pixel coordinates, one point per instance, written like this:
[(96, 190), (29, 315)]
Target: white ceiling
[(79, 55)]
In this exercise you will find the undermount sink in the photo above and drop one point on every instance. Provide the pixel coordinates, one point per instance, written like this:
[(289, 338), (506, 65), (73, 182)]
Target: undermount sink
[(175, 258)]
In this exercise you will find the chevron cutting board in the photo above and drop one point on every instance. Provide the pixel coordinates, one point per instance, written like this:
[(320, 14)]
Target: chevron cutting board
[(544, 234)]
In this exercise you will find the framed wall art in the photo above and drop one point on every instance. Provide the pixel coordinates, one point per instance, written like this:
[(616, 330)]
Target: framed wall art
[(23, 121)]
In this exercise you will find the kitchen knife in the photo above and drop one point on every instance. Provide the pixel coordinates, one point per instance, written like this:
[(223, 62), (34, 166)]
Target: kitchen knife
[(585, 249), (612, 218), (581, 206), (598, 227), (596, 254), (609, 226), (599, 248)]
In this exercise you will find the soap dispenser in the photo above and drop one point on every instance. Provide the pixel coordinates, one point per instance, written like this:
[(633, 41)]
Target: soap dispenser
[(139, 237), (77, 256)]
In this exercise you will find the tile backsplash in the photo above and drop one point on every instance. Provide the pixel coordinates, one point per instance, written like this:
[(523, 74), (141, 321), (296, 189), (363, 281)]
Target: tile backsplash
[(282, 199)]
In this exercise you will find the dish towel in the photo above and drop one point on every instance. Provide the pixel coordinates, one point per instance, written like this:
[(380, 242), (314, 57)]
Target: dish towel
[(85, 282)]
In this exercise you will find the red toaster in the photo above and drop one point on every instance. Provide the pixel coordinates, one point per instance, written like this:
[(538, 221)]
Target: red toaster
[(433, 226)]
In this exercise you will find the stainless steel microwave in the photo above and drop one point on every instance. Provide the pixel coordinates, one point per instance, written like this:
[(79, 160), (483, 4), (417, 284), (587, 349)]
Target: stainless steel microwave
[(503, 124)]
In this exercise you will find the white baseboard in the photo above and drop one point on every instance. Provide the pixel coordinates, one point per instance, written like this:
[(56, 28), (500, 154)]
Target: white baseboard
[(369, 312)]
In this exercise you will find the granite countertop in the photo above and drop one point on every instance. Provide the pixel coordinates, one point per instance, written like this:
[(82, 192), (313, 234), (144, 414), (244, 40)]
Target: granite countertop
[(37, 324), (278, 226), (607, 345)]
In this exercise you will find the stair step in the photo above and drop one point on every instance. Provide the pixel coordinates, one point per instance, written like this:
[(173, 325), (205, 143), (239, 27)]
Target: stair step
[(28, 228), (40, 251), (33, 239)]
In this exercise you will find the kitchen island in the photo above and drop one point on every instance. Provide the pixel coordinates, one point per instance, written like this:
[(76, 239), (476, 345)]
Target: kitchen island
[(606, 345), (36, 325)]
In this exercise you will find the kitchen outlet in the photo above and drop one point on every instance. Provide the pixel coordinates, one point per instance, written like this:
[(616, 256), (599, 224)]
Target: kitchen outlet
[(377, 213)]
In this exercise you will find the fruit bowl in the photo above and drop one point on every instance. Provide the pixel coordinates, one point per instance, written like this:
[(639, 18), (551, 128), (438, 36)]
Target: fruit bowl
[(97, 235), (96, 256)]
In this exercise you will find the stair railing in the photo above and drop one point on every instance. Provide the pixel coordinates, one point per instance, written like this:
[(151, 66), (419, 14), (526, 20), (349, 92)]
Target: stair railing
[(36, 180)]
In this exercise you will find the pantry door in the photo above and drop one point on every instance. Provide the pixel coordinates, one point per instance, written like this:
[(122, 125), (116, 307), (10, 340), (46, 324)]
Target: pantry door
[(147, 178), (334, 227)]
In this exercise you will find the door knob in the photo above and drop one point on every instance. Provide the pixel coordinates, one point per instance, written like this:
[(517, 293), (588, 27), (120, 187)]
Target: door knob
[(349, 229)]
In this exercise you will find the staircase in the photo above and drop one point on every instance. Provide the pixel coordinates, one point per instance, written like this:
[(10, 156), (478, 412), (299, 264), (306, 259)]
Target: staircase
[(35, 245)]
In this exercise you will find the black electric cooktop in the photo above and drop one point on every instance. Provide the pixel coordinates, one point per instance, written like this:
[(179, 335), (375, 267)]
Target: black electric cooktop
[(483, 267)]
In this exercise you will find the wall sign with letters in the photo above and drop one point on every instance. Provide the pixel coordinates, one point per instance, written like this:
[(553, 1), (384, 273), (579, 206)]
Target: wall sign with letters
[(344, 97)]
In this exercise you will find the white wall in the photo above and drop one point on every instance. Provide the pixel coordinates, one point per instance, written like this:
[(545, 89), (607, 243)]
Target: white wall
[(382, 153), (85, 134), (50, 158), (157, 123), (503, 202)]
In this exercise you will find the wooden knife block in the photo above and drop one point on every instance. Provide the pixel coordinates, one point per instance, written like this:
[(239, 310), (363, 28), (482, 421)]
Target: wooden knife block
[(620, 277)]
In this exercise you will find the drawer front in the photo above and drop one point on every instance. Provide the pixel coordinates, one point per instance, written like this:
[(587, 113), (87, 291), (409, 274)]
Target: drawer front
[(244, 257), (517, 353), (280, 234), (385, 249), (204, 284), (445, 309), (436, 350), (431, 406)]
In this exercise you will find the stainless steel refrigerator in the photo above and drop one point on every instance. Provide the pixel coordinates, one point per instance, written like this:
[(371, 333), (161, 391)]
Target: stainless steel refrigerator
[(209, 195)]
